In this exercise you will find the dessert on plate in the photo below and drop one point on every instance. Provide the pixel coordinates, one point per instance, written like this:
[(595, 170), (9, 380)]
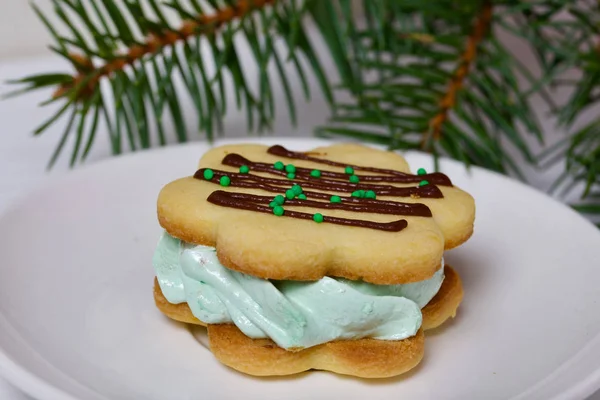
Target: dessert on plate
[(330, 259)]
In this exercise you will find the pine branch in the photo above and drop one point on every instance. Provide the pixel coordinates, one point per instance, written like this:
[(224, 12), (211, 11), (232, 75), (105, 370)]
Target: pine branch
[(444, 83), (570, 44), (456, 83), (140, 54)]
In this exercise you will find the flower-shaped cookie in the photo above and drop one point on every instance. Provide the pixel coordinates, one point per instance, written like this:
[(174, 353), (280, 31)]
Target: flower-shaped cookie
[(343, 210)]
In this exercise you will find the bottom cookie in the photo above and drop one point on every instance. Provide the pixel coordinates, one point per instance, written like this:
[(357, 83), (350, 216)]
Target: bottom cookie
[(367, 358)]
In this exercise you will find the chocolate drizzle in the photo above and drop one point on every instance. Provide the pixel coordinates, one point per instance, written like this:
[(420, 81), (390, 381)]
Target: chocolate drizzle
[(277, 185), (347, 204), (316, 190), (393, 176), (236, 160), (233, 200)]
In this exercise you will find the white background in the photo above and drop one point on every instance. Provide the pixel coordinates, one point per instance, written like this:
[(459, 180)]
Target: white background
[(23, 158)]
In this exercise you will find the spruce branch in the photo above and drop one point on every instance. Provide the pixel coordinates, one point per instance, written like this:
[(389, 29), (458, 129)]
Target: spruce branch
[(141, 54), (456, 82), (443, 82), (568, 41)]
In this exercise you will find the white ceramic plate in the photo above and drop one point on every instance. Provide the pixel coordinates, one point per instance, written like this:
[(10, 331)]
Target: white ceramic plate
[(77, 319)]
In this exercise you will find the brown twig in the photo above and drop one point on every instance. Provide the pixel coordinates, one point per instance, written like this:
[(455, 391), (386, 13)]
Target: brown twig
[(424, 38), (203, 23), (467, 58)]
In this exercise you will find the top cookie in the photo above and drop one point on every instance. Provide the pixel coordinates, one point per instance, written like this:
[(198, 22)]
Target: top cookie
[(397, 237)]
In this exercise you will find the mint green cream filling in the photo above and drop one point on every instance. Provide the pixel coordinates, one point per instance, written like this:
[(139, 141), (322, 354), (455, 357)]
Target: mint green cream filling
[(293, 314)]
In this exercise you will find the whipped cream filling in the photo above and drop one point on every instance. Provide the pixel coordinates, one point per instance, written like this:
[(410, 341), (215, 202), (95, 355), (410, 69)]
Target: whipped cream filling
[(294, 314)]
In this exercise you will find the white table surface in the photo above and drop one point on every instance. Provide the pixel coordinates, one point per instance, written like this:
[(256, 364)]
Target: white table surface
[(23, 158)]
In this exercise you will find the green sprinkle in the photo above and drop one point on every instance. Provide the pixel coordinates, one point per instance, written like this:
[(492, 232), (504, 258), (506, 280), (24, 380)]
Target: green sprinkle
[(349, 170), (225, 181), (290, 168), (356, 193), (297, 189), (370, 194), (290, 194), (273, 204), (318, 218), (335, 199), (421, 171), (302, 196), (423, 183), (291, 175), (279, 199), (244, 169), (278, 210), (279, 166), (208, 174), (315, 173), (354, 179)]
